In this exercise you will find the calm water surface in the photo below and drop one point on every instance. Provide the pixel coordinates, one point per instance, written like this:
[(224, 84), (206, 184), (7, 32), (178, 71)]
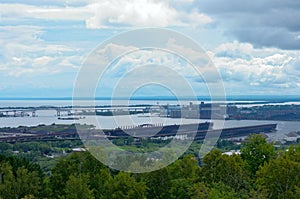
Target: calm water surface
[(49, 116)]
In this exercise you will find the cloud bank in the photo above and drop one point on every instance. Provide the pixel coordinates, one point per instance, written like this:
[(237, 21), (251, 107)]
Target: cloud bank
[(264, 23)]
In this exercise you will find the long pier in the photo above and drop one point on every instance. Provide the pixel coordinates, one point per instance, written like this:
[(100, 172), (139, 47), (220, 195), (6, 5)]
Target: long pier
[(189, 130), (142, 132), (238, 131)]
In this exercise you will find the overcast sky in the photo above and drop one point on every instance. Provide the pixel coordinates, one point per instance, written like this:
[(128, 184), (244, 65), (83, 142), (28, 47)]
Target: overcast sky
[(255, 45)]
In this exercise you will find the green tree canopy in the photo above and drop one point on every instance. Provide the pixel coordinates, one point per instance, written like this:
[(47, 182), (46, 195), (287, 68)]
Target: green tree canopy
[(280, 178), (77, 187), (230, 170), (256, 151), (123, 185)]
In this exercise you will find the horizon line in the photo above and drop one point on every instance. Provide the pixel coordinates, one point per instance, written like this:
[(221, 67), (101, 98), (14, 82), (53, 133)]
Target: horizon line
[(229, 98)]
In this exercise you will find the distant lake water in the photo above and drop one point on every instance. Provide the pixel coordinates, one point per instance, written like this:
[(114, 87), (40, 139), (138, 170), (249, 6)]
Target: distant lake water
[(49, 116), (33, 103), (59, 103)]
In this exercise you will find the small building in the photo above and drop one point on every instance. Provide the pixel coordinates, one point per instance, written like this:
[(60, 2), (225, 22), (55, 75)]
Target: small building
[(175, 113), (79, 150), (232, 152)]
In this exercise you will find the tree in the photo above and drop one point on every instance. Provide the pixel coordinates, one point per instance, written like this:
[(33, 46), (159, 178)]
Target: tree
[(214, 191), (293, 153), (219, 190), (29, 197), (255, 152), (179, 188), (124, 186), (16, 163), (75, 164), (19, 185), (230, 170), (280, 178), (186, 167), (183, 174), (77, 188), (5, 146), (6, 181), (198, 191), (210, 166), (26, 183), (159, 182), (99, 181)]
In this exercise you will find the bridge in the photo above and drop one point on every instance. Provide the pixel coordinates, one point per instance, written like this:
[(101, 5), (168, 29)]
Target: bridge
[(26, 112), (82, 110)]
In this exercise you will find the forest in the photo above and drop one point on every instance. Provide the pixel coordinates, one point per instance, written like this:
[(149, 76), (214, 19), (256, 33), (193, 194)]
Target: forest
[(260, 171)]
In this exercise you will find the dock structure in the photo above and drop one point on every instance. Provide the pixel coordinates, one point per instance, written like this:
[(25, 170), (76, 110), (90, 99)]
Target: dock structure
[(201, 130), (190, 131), (239, 131), (158, 130)]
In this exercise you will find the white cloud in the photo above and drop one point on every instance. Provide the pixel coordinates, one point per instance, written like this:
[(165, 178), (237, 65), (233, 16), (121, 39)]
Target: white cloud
[(15, 11), (41, 61), (142, 13), (269, 68), (108, 13), (24, 53), (179, 60)]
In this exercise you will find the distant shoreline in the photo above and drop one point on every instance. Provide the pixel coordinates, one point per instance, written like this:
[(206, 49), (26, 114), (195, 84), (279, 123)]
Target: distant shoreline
[(264, 98)]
